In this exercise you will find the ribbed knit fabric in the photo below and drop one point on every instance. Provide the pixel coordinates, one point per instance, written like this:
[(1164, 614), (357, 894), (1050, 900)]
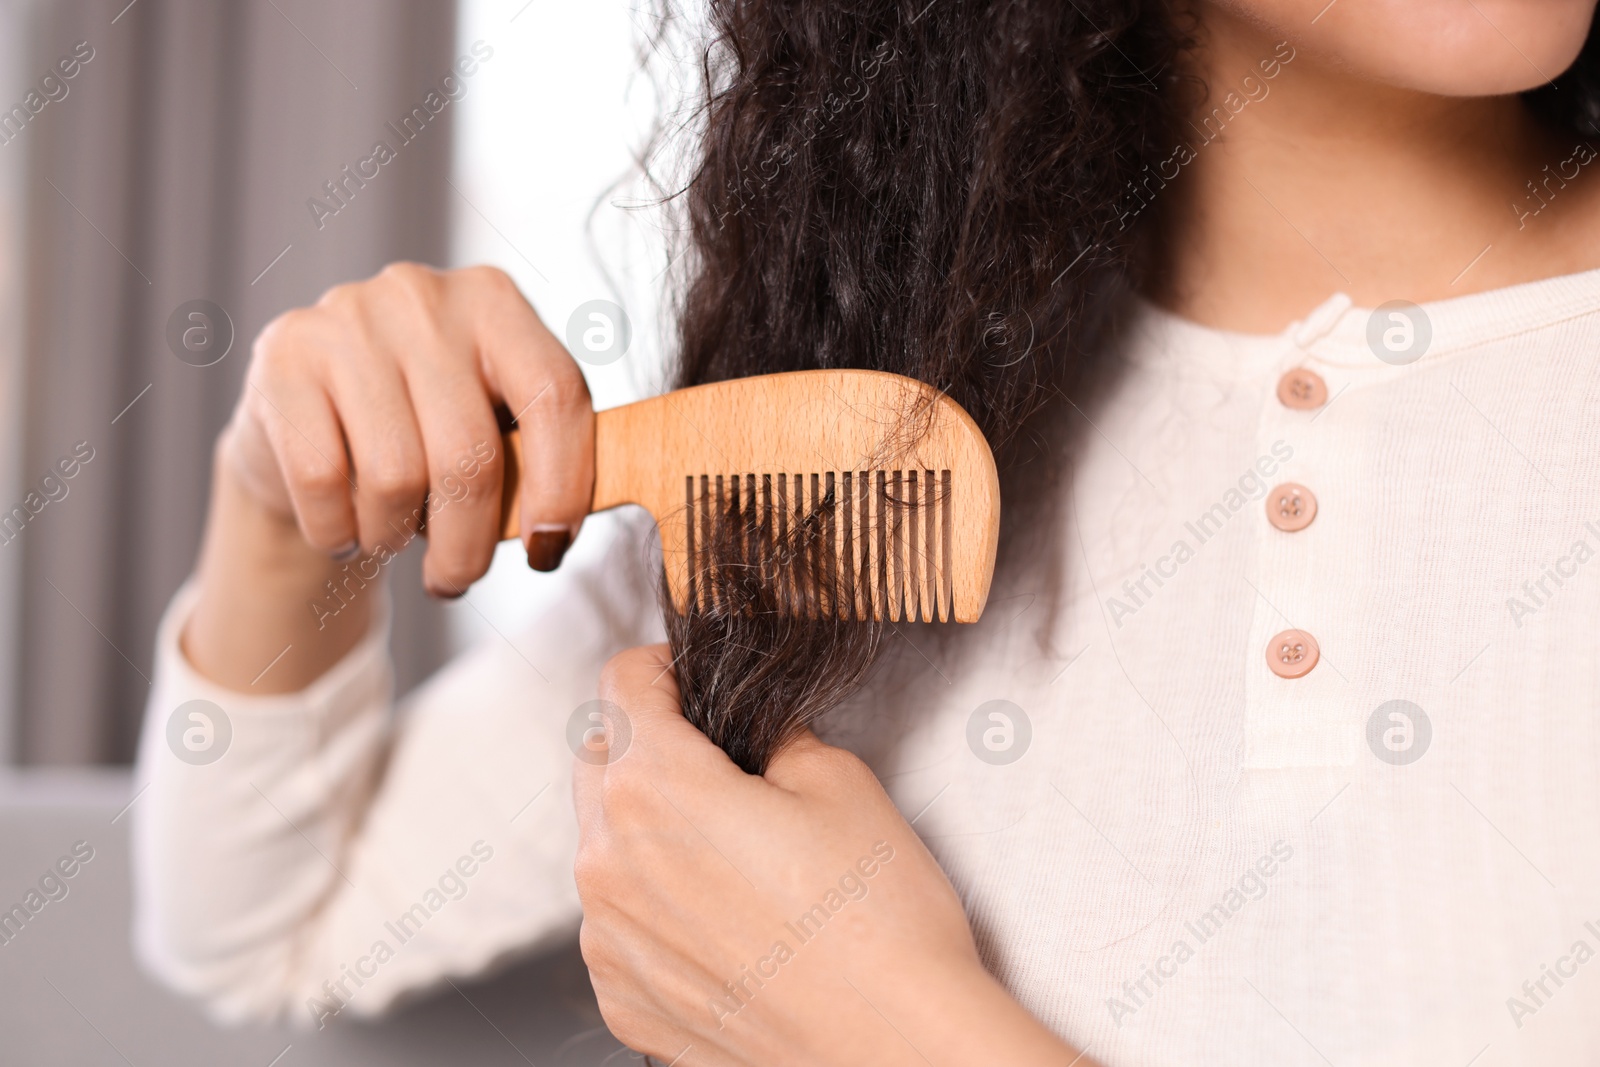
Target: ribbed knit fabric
[(1193, 860)]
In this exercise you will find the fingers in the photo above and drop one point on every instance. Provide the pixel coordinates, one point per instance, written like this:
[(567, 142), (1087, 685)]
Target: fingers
[(414, 318), (299, 420), (545, 392), (661, 746), (377, 408), (386, 450)]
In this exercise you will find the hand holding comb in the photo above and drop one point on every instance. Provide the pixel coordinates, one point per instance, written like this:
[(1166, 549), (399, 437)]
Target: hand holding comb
[(897, 474)]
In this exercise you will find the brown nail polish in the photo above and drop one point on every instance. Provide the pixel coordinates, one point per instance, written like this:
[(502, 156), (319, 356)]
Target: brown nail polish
[(546, 547)]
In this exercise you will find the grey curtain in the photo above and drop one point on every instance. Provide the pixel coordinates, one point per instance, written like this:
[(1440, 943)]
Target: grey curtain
[(178, 167)]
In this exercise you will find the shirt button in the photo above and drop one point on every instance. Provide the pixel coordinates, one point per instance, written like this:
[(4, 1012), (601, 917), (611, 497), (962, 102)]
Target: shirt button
[(1291, 507), (1292, 654), (1302, 389)]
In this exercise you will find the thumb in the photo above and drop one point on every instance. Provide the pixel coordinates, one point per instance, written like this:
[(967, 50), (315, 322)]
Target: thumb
[(641, 683), (809, 765)]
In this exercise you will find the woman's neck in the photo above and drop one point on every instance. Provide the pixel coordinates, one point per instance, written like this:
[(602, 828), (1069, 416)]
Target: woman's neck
[(1311, 182)]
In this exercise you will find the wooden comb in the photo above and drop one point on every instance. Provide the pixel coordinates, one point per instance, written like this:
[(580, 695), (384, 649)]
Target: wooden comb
[(898, 474)]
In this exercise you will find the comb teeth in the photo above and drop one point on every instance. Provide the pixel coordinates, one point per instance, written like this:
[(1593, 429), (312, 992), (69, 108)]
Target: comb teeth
[(862, 544)]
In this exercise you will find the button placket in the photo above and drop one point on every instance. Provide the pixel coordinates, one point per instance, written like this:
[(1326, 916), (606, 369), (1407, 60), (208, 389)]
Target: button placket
[(1295, 711), (1291, 507)]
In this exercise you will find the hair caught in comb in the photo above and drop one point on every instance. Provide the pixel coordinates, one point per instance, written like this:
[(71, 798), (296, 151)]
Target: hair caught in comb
[(791, 571), (867, 544)]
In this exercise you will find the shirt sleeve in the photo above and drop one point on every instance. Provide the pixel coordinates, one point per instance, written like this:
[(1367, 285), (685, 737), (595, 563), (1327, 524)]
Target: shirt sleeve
[(340, 855)]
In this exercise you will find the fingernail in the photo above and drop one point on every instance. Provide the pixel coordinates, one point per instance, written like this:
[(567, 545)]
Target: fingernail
[(443, 594), (546, 546), (347, 552)]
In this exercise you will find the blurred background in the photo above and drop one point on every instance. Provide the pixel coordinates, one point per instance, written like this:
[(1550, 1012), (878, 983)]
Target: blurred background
[(188, 181)]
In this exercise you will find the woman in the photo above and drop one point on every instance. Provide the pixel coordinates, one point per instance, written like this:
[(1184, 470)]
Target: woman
[(1271, 742)]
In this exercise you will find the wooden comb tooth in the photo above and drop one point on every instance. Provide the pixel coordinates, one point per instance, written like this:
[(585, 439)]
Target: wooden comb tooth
[(769, 556), (929, 547), (946, 549), (716, 550), (820, 487), (696, 532), (743, 557), (914, 554), (804, 555), (884, 543), (864, 537), (739, 535), (845, 575), (711, 522), (923, 583), (781, 504), (804, 558), (759, 556), (842, 608), (733, 543), (930, 542), (866, 581), (832, 528), (913, 547), (818, 544), (689, 560), (908, 546), (800, 561), (891, 563), (843, 523), (935, 544), (755, 555), (754, 525), (781, 533), (708, 576), (858, 546), (895, 503), (732, 540)]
